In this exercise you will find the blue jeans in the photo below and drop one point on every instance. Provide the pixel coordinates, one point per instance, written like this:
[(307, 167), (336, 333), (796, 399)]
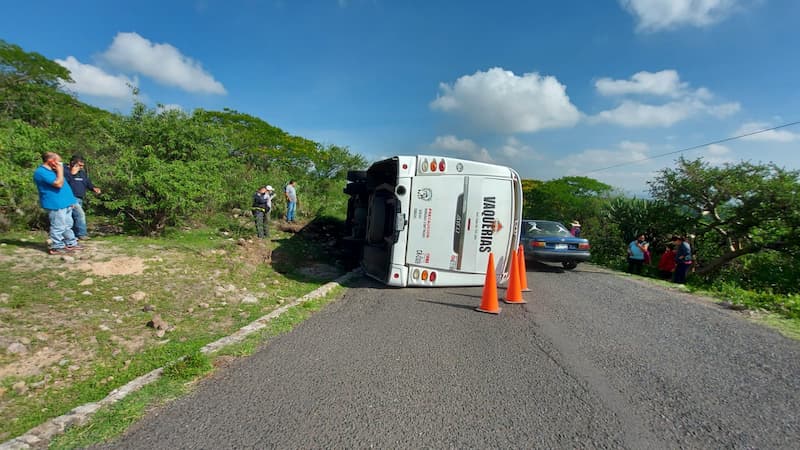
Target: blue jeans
[(61, 228), (79, 219), (290, 211)]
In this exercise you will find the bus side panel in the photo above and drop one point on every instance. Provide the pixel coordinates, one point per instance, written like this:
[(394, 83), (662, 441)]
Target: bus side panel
[(489, 224)]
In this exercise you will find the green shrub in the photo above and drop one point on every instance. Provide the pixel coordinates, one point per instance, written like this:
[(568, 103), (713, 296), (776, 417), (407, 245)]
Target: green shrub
[(188, 367), (783, 304)]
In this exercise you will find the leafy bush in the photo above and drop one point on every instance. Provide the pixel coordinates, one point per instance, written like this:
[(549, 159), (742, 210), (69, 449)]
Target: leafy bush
[(767, 271), (783, 304), (21, 146)]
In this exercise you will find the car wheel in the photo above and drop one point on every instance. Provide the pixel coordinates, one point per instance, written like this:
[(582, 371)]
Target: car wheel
[(569, 265)]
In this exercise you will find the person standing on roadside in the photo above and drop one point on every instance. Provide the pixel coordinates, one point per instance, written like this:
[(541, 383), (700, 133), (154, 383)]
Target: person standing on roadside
[(636, 255), (262, 203), (683, 259), (291, 200), (575, 229), (666, 264), (79, 182), (56, 197)]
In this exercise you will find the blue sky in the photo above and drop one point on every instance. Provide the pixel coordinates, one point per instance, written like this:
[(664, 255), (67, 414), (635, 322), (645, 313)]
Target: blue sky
[(549, 88)]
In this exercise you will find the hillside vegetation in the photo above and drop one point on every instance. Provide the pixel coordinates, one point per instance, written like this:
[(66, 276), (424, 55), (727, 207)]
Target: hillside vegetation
[(157, 168)]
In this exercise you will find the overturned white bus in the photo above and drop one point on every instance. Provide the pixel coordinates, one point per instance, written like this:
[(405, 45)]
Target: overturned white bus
[(432, 220)]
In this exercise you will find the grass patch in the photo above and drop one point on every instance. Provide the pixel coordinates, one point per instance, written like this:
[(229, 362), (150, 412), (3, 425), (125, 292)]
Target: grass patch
[(188, 367), (112, 421)]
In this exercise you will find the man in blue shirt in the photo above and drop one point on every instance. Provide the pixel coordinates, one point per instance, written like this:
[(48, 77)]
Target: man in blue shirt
[(683, 259), (55, 196), (79, 182)]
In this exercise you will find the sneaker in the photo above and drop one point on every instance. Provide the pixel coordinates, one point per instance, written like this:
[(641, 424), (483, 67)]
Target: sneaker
[(83, 238), (74, 248), (57, 251)]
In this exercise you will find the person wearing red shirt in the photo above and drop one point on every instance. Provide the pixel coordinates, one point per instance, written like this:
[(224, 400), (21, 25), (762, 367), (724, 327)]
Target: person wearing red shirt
[(666, 265)]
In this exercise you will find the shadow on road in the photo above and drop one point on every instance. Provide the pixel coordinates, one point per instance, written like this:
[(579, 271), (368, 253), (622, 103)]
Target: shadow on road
[(536, 266), (461, 294), (454, 305)]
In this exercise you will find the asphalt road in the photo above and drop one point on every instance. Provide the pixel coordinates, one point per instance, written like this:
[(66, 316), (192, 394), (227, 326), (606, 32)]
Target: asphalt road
[(593, 360)]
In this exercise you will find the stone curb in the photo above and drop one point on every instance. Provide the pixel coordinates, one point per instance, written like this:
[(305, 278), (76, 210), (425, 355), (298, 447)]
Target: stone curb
[(41, 435)]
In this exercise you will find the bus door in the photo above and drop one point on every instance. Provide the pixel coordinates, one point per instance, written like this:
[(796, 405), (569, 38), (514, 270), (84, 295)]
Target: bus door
[(434, 219)]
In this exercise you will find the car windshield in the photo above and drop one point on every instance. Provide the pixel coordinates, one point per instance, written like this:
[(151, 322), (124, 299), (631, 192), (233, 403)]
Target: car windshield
[(545, 228)]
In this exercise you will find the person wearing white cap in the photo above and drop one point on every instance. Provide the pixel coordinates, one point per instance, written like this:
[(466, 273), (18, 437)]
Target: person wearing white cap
[(575, 229), (262, 204)]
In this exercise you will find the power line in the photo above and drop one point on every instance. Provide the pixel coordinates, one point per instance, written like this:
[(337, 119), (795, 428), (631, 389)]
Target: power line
[(732, 138)]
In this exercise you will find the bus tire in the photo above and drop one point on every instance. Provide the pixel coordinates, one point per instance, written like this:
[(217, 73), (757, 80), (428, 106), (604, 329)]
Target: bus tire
[(356, 175), (355, 189)]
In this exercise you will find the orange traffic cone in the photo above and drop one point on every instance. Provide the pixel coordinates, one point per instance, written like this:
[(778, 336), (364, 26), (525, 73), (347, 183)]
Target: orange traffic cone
[(489, 298), (514, 290), (523, 272)]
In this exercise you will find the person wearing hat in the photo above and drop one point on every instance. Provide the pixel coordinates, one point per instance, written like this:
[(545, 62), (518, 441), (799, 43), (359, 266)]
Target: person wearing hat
[(262, 204), (576, 228)]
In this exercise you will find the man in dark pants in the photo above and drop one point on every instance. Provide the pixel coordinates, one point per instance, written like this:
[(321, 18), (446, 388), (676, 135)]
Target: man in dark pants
[(79, 181), (262, 204), (683, 259)]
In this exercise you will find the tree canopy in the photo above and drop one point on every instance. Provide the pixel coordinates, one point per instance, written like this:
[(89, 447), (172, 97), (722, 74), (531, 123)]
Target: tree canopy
[(564, 199), (737, 208)]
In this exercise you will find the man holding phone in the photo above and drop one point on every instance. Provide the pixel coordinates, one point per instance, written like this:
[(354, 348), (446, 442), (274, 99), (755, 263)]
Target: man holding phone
[(56, 197)]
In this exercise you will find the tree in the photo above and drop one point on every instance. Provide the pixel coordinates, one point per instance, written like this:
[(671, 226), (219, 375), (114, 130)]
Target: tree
[(28, 83), (735, 209), (167, 168), (564, 199)]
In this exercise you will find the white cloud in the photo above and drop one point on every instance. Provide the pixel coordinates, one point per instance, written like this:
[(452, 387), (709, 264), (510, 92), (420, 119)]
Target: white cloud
[(500, 101), (664, 83), (635, 114), (162, 62), (512, 150), (631, 177), (627, 152), (717, 154), (92, 80), (465, 148), (718, 150), (782, 135), (453, 143), (685, 103), (658, 15)]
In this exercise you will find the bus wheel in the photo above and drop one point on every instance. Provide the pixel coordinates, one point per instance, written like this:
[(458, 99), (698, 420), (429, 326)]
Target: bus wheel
[(356, 175)]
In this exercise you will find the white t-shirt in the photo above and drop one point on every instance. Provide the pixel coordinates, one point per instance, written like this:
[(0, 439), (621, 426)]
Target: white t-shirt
[(291, 192)]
